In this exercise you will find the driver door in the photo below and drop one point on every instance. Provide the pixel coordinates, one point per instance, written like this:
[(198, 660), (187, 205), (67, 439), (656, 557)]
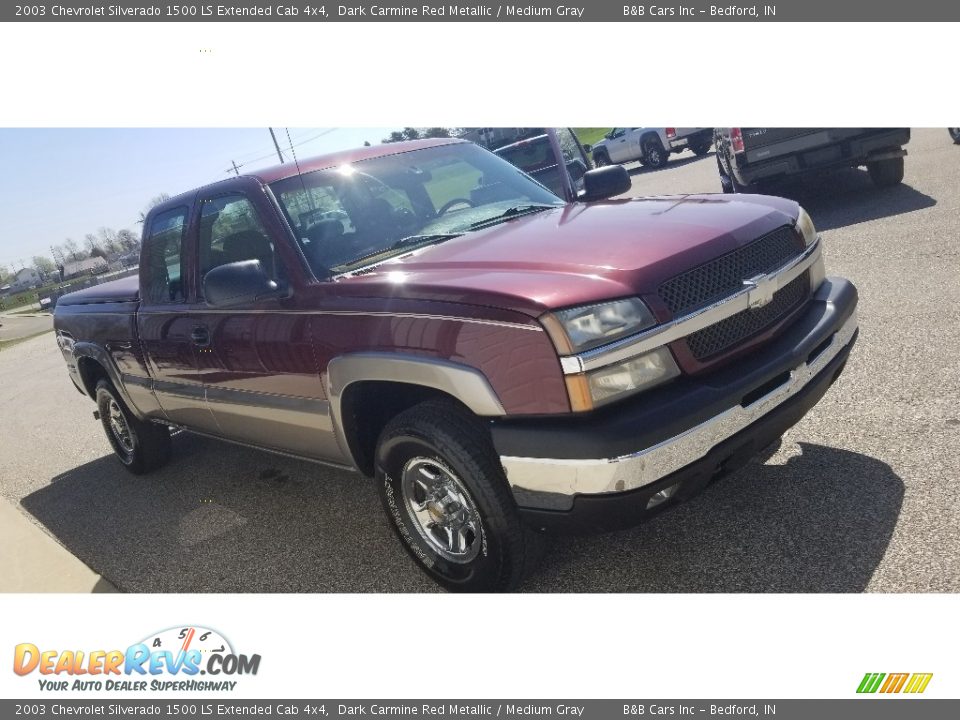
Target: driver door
[(619, 146)]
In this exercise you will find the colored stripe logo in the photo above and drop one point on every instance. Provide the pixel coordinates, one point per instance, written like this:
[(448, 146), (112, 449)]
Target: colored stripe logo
[(912, 683)]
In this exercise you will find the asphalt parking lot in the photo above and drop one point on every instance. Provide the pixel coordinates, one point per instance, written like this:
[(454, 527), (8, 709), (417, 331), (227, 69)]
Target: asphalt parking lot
[(863, 495)]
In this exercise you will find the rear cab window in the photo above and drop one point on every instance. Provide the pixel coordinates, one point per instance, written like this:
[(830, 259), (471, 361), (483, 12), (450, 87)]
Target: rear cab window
[(162, 278)]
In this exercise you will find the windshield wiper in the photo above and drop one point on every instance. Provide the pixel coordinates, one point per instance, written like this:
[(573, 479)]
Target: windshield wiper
[(408, 241), (511, 212), (418, 239)]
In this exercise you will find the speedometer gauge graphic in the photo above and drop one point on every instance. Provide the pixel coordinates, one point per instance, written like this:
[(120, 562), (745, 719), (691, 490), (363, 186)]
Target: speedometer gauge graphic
[(183, 639)]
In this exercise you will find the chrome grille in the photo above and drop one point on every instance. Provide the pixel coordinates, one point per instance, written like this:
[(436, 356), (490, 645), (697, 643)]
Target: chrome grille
[(724, 276), (721, 336)]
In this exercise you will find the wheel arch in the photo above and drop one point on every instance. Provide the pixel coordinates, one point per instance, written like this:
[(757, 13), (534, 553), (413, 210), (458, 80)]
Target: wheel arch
[(366, 390)]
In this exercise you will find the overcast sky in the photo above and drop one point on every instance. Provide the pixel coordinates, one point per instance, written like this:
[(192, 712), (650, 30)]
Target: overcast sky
[(64, 183)]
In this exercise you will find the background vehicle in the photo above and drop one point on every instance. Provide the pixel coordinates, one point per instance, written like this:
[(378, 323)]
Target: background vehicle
[(537, 156), (501, 361), (750, 158), (955, 134), (651, 146)]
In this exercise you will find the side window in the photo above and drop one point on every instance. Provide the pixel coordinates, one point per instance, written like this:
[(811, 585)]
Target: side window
[(231, 231), (164, 254)]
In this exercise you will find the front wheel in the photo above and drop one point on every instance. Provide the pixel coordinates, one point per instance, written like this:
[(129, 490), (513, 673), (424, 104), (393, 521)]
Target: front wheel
[(444, 491), (140, 446), (600, 160), (886, 173)]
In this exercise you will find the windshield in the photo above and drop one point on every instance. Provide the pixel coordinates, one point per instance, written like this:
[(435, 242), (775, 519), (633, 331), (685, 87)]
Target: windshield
[(349, 217)]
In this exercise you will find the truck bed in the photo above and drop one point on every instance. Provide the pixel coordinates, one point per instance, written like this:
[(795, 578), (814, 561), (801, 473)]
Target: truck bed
[(116, 291)]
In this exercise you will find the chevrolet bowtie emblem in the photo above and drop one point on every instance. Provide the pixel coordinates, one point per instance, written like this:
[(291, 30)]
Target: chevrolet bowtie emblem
[(760, 290)]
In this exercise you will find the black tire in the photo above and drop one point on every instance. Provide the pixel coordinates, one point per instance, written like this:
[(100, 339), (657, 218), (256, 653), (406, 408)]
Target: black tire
[(140, 446), (443, 445), (654, 154), (601, 159), (701, 148), (730, 184), (726, 182), (955, 134), (886, 173), (754, 188)]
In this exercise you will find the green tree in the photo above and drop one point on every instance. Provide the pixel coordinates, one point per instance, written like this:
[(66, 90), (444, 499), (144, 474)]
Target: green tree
[(43, 265)]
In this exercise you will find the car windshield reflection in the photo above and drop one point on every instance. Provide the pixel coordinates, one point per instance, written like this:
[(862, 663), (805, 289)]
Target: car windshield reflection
[(349, 217)]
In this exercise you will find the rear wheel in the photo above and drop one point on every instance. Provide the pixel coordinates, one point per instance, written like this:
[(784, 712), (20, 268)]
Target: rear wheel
[(886, 173), (442, 486), (140, 446)]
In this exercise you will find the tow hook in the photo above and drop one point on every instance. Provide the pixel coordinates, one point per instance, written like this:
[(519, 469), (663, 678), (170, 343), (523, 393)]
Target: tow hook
[(96, 414)]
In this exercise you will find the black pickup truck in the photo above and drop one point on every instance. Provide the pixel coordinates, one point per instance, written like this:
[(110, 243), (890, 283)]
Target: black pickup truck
[(749, 159)]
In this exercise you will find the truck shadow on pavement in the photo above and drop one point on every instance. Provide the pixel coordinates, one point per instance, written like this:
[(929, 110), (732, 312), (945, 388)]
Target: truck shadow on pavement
[(221, 518), (847, 197), (819, 523)]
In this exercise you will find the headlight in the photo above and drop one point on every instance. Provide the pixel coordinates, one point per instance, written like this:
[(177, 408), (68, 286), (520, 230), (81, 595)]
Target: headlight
[(633, 375), (582, 328), (807, 228)]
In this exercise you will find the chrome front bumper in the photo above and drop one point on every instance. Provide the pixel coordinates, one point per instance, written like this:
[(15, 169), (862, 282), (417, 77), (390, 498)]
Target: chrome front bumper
[(568, 477)]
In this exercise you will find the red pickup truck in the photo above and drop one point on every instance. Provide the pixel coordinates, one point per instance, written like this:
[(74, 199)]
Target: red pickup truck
[(503, 362)]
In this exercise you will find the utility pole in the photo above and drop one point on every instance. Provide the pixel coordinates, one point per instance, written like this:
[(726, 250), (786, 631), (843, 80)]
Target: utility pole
[(234, 163), (276, 145)]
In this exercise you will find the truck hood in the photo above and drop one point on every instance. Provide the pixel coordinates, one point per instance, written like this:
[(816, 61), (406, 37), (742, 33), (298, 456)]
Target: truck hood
[(577, 254)]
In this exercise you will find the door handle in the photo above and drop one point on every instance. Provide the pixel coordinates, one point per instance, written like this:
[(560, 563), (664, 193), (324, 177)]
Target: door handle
[(200, 336)]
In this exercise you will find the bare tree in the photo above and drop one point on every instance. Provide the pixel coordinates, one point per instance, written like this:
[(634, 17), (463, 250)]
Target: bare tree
[(154, 201), (108, 239), (92, 243), (58, 255), (72, 249), (127, 239)]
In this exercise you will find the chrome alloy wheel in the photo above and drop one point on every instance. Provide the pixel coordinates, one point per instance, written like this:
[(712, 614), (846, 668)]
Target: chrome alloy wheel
[(444, 513), (119, 427)]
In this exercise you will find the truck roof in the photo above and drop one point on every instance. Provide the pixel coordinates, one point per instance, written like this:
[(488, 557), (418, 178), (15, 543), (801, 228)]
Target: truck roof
[(319, 162)]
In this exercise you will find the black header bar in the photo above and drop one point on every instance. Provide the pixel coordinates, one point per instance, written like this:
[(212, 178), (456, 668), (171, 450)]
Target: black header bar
[(433, 11)]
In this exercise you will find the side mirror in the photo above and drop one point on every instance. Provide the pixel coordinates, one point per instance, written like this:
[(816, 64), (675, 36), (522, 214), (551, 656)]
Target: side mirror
[(604, 183), (238, 283)]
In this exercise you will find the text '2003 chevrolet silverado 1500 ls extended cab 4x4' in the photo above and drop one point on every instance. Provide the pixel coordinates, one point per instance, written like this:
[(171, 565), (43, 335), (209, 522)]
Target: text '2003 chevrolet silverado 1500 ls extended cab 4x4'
[(504, 362)]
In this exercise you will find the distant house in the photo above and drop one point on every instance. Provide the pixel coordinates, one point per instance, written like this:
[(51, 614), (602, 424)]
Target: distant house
[(25, 279), (90, 266)]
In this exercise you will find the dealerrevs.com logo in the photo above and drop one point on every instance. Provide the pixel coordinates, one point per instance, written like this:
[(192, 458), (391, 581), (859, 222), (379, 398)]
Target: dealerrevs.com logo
[(909, 683), (172, 659)]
